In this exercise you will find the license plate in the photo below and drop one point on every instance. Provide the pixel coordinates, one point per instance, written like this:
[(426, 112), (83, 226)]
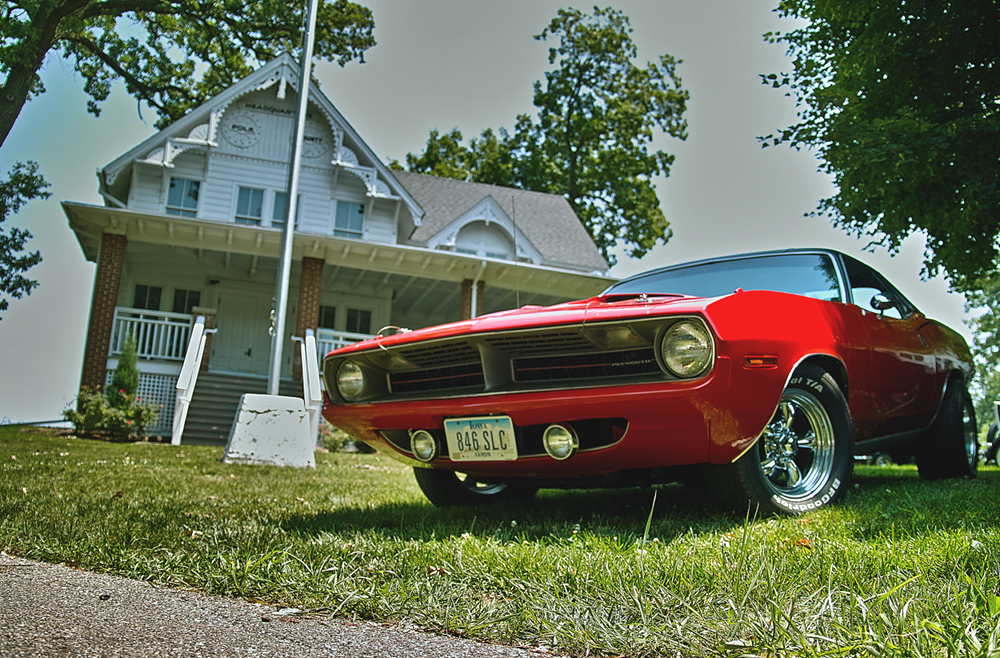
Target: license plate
[(480, 439)]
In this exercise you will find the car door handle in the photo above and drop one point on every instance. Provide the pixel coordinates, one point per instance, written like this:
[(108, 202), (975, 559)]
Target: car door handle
[(249, 350)]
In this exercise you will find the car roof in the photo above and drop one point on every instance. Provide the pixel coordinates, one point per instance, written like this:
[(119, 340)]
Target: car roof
[(720, 259)]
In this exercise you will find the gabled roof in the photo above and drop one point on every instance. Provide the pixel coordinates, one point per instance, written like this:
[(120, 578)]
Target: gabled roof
[(200, 126), (546, 220)]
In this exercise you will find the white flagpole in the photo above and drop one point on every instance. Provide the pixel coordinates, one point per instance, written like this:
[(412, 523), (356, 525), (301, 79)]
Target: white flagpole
[(285, 260)]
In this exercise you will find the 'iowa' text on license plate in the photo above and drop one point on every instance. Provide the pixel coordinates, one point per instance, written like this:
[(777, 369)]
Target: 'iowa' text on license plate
[(485, 438)]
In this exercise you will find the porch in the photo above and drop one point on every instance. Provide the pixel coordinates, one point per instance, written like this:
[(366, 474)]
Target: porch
[(161, 341)]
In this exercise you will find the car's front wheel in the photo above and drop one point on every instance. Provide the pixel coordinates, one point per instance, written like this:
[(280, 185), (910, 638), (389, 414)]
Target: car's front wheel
[(450, 489), (803, 459), (950, 447)]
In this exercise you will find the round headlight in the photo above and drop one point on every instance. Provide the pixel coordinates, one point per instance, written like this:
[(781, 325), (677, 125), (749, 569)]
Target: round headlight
[(422, 445), (560, 441), (687, 349), (350, 381)]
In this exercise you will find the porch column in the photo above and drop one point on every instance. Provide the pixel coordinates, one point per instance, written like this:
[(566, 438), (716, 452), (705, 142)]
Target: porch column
[(310, 288), (466, 307), (107, 280)]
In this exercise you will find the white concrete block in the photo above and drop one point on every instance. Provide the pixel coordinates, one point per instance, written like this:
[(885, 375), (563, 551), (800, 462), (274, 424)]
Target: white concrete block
[(271, 430)]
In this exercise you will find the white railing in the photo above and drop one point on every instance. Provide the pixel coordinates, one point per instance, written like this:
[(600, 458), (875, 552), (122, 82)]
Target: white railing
[(312, 393), (189, 376), (328, 340), (158, 334)]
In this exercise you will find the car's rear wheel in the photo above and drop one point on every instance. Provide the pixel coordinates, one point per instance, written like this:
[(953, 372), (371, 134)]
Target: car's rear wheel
[(950, 447), (450, 489), (803, 459)]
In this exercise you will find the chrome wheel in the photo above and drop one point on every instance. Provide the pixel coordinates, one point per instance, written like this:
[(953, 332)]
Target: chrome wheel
[(797, 448), (971, 435), (804, 456)]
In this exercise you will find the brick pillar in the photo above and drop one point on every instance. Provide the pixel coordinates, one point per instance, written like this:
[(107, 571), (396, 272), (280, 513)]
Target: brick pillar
[(209, 314), (310, 288), (466, 307), (107, 280)]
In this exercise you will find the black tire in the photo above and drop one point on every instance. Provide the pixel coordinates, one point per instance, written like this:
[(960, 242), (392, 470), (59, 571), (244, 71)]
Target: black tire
[(804, 458), (449, 489), (950, 446), (994, 445)]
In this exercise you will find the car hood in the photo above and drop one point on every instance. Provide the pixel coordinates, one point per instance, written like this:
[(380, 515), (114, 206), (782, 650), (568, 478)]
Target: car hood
[(596, 309)]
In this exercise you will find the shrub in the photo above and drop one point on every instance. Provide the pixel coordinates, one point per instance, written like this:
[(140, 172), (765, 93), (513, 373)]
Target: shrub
[(125, 378), (96, 416)]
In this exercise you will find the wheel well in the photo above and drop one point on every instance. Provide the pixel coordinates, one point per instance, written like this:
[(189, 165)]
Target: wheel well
[(836, 369)]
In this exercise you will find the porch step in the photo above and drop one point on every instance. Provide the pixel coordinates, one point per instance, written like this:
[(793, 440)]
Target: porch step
[(215, 402)]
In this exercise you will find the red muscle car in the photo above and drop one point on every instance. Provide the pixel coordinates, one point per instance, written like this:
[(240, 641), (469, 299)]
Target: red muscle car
[(762, 373)]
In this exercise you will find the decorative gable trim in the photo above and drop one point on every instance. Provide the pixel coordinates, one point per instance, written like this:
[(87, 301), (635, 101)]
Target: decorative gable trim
[(487, 211)]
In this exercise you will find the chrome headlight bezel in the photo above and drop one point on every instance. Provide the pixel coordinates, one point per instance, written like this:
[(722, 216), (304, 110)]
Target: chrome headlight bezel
[(687, 349), (350, 381)]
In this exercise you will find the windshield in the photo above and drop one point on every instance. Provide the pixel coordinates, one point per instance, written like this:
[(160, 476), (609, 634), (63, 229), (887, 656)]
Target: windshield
[(812, 275)]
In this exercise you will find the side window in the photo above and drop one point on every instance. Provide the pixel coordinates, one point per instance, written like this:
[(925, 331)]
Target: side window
[(866, 284), (147, 297), (186, 300), (350, 220), (182, 197), (359, 321), (280, 209), (249, 206), (327, 316)]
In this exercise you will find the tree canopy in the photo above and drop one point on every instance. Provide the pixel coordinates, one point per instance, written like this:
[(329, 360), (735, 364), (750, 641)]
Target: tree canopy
[(900, 100), (590, 141), (985, 330), (171, 55)]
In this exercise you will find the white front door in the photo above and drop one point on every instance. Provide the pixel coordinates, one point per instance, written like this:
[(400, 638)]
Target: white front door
[(242, 343)]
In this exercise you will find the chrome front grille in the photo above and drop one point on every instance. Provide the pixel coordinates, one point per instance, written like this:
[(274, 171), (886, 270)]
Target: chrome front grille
[(598, 354), (593, 365)]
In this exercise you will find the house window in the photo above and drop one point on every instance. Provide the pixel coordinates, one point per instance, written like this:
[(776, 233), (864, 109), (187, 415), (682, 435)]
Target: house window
[(327, 316), (250, 206), (182, 198), (484, 239), (350, 220), (359, 321), (147, 298), (280, 209), (186, 300)]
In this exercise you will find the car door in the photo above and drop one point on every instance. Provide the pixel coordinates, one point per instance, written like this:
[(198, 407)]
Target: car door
[(903, 389)]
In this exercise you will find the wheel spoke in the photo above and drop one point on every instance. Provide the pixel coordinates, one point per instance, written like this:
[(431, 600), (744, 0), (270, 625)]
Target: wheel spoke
[(794, 474), (807, 440), (788, 414)]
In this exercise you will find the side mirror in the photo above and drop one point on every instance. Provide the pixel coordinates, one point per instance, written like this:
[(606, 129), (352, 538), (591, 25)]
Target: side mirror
[(881, 303)]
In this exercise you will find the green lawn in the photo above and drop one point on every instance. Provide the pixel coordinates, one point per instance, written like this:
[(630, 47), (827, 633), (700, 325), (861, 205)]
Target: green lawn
[(900, 568)]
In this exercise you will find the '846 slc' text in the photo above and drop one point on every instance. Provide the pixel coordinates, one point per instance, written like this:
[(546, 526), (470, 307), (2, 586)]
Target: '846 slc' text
[(483, 437)]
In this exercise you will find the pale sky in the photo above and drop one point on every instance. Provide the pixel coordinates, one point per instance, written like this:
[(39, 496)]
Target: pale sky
[(468, 64)]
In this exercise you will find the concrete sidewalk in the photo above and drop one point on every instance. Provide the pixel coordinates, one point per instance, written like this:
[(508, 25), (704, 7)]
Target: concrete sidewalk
[(51, 610)]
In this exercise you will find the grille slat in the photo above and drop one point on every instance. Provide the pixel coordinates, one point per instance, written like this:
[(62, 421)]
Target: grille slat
[(563, 341), (440, 354), (437, 379), (585, 366)]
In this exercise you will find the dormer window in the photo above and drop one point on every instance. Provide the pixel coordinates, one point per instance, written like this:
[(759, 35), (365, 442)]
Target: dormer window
[(349, 221), (482, 239), (182, 197)]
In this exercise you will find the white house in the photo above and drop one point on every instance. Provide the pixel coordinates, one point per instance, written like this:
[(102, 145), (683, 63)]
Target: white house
[(191, 225)]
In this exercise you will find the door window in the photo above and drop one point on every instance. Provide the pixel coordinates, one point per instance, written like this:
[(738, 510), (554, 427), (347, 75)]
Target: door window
[(868, 286)]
